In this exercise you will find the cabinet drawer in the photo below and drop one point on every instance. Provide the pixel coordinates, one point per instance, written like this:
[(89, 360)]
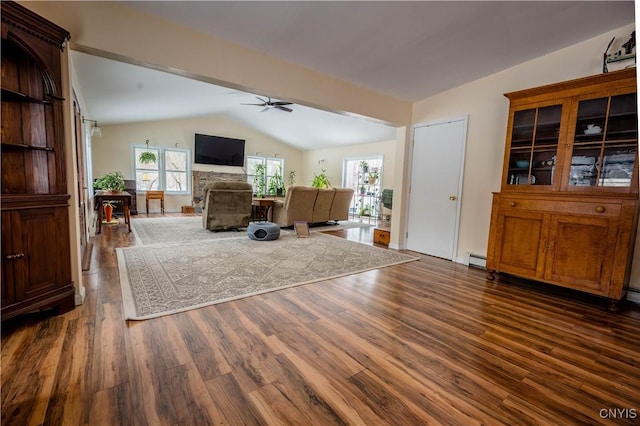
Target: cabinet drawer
[(561, 206)]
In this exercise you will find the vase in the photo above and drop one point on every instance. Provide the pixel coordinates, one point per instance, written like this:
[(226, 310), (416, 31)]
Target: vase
[(108, 212)]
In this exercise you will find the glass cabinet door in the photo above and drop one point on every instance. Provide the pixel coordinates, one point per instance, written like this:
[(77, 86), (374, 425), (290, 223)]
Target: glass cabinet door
[(606, 142), (534, 146)]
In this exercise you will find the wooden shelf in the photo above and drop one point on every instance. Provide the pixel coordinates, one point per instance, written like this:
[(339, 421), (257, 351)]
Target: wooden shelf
[(14, 96), (21, 146)]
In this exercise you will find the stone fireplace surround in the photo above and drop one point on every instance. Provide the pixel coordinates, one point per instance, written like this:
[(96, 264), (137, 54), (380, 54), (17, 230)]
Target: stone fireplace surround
[(202, 178)]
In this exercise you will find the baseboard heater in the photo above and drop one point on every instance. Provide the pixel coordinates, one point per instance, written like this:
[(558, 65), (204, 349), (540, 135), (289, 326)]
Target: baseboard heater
[(634, 296), (477, 261)]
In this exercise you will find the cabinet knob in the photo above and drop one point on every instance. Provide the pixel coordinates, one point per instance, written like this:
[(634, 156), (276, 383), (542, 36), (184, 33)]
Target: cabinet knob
[(453, 197), (512, 203), (14, 256), (600, 209)]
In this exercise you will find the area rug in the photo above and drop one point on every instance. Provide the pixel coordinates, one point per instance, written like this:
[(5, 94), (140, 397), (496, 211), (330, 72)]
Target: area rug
[(164, 279), (158, 230), (168, 229)]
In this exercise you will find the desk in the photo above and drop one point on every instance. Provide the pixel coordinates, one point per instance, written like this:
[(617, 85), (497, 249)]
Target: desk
[(261, 207), (155, 195), (124, 197)]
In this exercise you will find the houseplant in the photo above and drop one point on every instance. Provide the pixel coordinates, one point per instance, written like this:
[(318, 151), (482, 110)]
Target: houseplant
[(112, 181), (292, 177), (373, 175), (365, 210), (321, 180), (276, 184), (147, 157), (107, 207), (258, 181)]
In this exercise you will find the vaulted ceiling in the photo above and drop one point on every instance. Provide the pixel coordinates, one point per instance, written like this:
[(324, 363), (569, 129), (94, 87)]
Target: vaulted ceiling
[(409, 50)]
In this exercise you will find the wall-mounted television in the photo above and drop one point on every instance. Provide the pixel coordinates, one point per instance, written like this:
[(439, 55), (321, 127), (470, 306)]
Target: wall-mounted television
[(219, 150)]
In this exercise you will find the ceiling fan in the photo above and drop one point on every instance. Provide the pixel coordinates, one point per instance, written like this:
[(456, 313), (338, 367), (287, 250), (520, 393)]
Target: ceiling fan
[(269, 104)]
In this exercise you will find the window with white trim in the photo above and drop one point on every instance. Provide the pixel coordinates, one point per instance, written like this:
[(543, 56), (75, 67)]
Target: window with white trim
[(169, 173), (269, 167)]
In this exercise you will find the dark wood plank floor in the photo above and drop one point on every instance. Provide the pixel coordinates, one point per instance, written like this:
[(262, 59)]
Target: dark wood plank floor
[(428, 342)]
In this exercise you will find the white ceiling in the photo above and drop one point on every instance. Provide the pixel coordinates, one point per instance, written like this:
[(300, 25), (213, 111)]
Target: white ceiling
[(409, 50)]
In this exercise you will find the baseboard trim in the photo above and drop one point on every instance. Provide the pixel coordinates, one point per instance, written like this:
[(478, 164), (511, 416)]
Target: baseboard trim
[(633, 296)]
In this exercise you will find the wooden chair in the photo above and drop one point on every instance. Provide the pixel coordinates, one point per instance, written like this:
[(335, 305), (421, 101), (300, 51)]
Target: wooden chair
[(155, 195)]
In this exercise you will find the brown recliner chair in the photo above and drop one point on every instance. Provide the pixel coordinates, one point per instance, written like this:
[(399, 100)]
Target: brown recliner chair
[(297, 205), (227, 205), (341, 203), (322, 207)]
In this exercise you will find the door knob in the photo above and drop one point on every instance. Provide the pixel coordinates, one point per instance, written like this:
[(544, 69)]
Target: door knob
[(453, 197)]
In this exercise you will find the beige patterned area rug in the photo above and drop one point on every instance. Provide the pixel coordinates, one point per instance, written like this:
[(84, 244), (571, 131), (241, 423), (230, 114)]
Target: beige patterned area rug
[(163, 279), (157, 230)]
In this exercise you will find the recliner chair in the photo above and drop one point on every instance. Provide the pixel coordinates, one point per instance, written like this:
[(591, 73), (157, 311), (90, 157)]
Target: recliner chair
[(227, 205)]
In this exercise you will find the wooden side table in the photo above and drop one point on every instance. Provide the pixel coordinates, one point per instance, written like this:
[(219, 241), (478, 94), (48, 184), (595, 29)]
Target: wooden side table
[(262, 209), (155, 195), (124, 197)]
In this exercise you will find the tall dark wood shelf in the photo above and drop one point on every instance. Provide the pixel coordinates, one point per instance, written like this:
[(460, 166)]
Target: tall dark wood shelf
[(36, 252)]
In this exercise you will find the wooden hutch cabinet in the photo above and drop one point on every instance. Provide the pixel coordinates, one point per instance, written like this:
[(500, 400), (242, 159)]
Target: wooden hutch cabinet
[(567, 210), (36, 266)]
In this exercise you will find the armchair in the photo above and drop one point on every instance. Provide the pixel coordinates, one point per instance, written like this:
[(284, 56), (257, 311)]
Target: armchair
[(297, 205), (227, 205)]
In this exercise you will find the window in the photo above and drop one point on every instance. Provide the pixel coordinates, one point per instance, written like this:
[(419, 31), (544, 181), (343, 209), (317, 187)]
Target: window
[(169, 173), (176, 172), (364, 175), (269, 168)]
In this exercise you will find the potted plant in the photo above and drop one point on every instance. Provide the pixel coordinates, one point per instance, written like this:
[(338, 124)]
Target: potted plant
[(147, 157), (276, 184), (258, 181), (112, 181), (365, 210), (373, 176), (107, 207), (292, 177), (321, 180), (364, 166), (363, 190)]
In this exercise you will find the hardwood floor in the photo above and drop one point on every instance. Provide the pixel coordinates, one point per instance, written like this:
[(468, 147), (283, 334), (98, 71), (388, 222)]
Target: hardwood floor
[(427, 342)]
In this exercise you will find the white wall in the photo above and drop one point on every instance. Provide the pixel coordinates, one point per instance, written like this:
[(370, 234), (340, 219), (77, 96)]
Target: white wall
[(113, 152), (334, 157), (487, 108)]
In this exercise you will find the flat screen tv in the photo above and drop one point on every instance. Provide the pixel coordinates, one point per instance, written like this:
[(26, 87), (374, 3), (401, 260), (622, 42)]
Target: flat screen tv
[(219, 150)]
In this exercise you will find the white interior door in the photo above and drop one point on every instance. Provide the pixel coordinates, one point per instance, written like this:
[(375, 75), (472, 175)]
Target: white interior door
[(436, 181)]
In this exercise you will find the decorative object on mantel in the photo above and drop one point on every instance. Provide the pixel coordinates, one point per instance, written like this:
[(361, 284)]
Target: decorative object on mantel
[(626, 51), (147, 157), (112, 181)]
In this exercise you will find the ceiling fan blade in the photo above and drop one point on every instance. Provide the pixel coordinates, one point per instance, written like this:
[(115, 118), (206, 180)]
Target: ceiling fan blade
[(254, 104), (264, 101), (281, 103), (283, 108)]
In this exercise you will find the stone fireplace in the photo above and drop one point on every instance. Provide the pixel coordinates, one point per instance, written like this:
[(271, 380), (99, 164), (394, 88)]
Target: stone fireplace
[(202, 178)]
